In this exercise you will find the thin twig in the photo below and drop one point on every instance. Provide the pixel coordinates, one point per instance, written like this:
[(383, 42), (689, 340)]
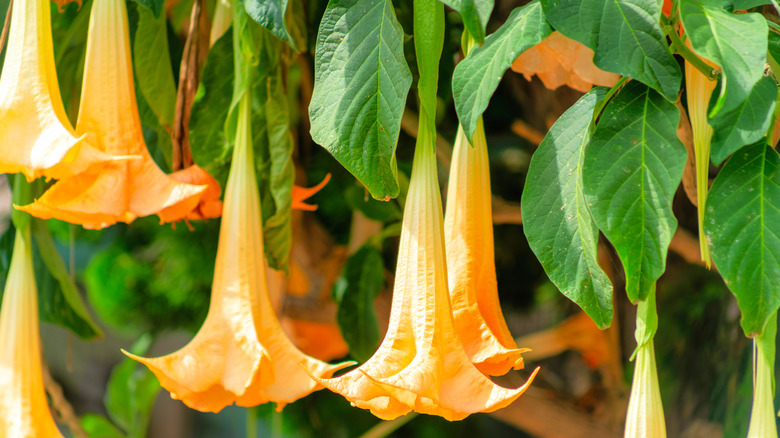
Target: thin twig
[(6, 25), (61, 405)]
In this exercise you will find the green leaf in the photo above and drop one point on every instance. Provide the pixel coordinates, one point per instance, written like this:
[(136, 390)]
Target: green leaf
[(742, 224), (208, 143), (271, 15), (152, 63), (156, 6), (131, 392), (381, 211), (742, 5), (556, 221), (476, 78), (355, 290), (625, 36), (735, 42), (745, 124), (360, 88), (98, 426), (61, 304), (632, 168), (475, 14)]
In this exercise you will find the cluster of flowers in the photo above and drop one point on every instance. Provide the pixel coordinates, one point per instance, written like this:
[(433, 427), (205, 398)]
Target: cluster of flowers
[(446, 335)]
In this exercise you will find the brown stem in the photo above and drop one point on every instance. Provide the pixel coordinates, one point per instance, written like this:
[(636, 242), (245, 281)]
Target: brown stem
[(61, 405), (6, 25)]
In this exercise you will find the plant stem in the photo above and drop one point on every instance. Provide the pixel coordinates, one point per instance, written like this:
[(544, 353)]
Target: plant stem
[(385, 428), (685, 52), (607, 97), (251, 422)]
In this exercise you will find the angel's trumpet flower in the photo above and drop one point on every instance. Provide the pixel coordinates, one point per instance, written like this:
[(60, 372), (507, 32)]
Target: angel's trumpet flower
[(240, 355), (35, 135), (24, 412), (421, 364), (223, 19), (108, 116), (699, 89), (762, 417), (645, 418), (468, 237)]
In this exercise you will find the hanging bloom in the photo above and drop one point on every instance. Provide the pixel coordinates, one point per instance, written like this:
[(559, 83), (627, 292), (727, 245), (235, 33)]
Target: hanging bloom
[(699, 88), (645, 416), (468, 237), (421, 364), (35, 134), (210, 206), (24, 412), (240, 355), (762, 417), (559, 60), (223, 19), (108, 116)]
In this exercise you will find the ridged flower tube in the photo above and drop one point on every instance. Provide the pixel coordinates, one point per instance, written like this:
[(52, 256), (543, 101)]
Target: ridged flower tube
[(699, 89), (763, 422), (108, 116), (223, 19), (36, 137), (240, 355), (468, 237), (421, 364), (24, 412)]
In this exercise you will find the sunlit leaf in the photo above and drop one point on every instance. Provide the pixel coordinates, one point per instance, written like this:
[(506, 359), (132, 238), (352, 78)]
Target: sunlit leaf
[(557, 223), (475, 14), (632, 168)]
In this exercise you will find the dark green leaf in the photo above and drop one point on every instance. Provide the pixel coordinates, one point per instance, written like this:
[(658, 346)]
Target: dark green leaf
[(625, 36), (735, 42), (360, 88), (131, 391), (208, 143), (380, 211), (61, 304), (271, 15), (98, 426), (156, 6), (556, 220), (632, 167), (745, 124), (742, 224), (152, 63), (476, 78), (742, 5), (355, 290), (475, 15)]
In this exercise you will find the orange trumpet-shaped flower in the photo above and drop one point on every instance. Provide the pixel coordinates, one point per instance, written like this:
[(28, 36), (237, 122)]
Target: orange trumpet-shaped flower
[(468, 237), (35, 135), (240, 355), (301, 194), (210, 206), (421, 364), (559, 60), (108, 116), (23, 409)]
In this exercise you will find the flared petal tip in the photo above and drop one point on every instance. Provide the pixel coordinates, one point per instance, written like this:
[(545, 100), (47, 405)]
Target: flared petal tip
[(502, 362)]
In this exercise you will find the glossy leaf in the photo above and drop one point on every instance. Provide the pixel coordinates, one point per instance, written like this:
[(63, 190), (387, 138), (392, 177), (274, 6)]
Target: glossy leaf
[(355, 290), (475, 14), (152, 64), (735, 42), (360, 88), (271, 15), (745, 124), (476, 78), (156, 6), (625, 35), (632, 167), (556, 220), (743, 227)]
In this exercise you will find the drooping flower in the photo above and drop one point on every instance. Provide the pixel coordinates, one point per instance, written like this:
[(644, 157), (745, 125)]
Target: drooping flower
[(210, 205), (240, 355), (645, 418), (108, 117), (421, 364), (763, 422), (35, 135), (699, 88), (24, 412), (223, 19), (468, 237), (559, 60)]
